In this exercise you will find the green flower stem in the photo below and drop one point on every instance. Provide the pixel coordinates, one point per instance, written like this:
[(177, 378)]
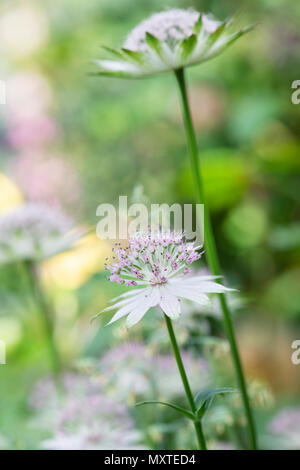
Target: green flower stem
[(43, 306), (211, 252), (186, 385)]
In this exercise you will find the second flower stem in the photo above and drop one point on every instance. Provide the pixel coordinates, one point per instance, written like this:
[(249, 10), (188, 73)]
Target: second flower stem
[(42, 303), (186, 385), (211, 252)]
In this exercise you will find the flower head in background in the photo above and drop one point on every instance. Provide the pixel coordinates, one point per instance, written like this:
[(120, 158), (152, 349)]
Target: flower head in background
[(132, 369), (158, 263), (169, 40), (45, 396), (223, 445), (33, 232), (82, 416), (4, 444), (285, 429), (48, 179)]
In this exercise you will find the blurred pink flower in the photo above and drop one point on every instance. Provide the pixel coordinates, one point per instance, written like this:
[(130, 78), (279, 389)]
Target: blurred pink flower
[(223, 445), (31, 132), (23, 29), (47, 179)]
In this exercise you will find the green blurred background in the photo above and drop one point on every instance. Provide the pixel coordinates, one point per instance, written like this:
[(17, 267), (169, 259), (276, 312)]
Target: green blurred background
[(76, 141)]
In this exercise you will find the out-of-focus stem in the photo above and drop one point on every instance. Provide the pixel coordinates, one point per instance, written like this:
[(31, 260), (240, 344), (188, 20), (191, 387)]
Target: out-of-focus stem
[(38, 293)]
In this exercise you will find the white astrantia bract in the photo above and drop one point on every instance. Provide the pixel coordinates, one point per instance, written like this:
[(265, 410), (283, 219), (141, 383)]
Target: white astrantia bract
[(169, 40), (158, 264), (33, 232)]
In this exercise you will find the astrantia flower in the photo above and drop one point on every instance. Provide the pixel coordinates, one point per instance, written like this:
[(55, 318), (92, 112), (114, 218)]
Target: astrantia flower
[(169, 40), (158, 263), (33, 232), (133, 369), (46, 396), (81, 415)]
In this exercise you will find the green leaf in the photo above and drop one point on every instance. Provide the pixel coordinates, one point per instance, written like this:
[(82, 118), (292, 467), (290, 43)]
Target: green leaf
[(198, 25), (154, 43), (186, 413), (205, 398), (187, 46)]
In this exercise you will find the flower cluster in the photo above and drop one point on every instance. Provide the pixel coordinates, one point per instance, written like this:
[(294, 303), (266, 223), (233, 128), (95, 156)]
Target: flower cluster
[(91, 423), (131, 370), (88, 438), (158, 263), (45, 394), (167, 41), (34, 231), (285, 426), (82, 416), (170, 25)]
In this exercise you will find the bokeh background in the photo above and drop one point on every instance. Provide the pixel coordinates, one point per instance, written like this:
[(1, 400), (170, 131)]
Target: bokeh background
[(74, 141)]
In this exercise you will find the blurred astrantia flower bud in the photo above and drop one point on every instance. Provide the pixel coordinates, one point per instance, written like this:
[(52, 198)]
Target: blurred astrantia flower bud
[(169, 40), (33, 232)]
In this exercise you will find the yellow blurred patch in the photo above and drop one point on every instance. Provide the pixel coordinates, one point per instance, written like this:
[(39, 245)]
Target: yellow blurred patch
[(10, 195), (72, 269)]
